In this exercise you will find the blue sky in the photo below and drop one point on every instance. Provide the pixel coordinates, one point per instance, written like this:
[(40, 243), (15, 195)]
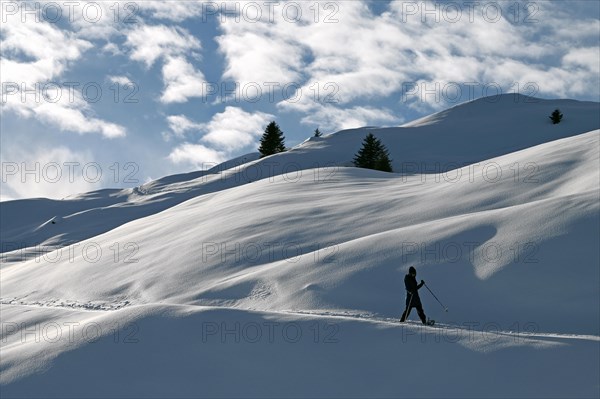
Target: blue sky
[(133, 91)]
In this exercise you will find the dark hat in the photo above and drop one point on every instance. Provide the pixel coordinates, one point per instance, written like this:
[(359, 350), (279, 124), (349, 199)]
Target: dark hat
[(412, 270)]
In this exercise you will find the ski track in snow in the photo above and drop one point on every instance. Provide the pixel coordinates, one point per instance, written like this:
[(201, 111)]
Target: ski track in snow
[(367, 317), (66, 304), (396, 321)]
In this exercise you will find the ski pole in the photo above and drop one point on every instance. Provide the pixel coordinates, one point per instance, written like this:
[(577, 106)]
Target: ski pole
[(436, 298), (407, 311)]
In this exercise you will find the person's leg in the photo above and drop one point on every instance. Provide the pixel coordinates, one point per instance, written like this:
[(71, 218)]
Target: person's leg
[(407, 309), (421, 313), (405, 313)]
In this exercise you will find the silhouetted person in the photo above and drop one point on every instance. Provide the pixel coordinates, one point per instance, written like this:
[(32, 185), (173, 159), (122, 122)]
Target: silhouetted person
[(412, 295)]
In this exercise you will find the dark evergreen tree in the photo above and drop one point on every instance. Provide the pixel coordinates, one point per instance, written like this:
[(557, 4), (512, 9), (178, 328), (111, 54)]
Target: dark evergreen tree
[(365, 157), (272, 140), (318, 133), (383, 163), (373, 155), (556, 117)]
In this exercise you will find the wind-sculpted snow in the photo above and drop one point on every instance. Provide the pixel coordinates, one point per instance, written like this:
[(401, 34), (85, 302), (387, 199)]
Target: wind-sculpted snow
[(344, 243), (199, 284), (463, 135), (188, 351)]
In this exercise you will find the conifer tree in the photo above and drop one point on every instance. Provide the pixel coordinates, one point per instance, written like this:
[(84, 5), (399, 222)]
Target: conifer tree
[(373, 155), (383, 163), (556, 117), (272, 140), (318, 133)]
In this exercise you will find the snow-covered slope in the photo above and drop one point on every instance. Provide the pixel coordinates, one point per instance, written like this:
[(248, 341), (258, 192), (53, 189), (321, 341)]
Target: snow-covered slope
[(462, 135), (508, 243), (181, 351), (467, 133), (342, 242)]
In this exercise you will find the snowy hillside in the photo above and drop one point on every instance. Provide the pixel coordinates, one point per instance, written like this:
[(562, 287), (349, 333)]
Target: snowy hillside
[(463, 135), (283, 276)]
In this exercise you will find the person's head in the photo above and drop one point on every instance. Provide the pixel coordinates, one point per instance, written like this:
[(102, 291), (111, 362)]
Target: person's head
[(412, 271)]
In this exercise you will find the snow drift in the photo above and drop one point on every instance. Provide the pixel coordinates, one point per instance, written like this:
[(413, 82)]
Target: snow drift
[(497, 210)]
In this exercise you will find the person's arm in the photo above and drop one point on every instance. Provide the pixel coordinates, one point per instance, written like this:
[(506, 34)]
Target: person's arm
[(420, 285)]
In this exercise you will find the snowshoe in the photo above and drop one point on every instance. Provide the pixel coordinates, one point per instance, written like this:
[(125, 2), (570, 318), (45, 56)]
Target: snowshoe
[(430, 322)]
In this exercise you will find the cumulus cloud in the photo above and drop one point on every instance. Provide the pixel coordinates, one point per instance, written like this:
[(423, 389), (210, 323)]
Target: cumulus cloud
[(145, 42), (256, 57), (173, 10), (106, 20), (69, 118), (373, 55), (97, 19), (35, 53), (55, 173), (227, 132), (331, 118), (197, 155), (181, 81), (121, 80), (48, 49), (235, 129), (180, 124), (587, 57), (112, 49), (151, 42)]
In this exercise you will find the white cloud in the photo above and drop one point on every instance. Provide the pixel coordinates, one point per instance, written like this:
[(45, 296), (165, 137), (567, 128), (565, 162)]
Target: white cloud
[(588, 57), (6, 197), (360, 54), (71, 118), (255, 57), (197, 155), (180, 124), (67, 114), (235, 129), (40, 40), (227, 132), (97, 19), (50, 51), (107, 19), (570, 24), (112, 49), (181, 81), (121, 80), (176, 11), (330, 118), (58, 173), (369, 55), (149, 43), (172, 45)]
